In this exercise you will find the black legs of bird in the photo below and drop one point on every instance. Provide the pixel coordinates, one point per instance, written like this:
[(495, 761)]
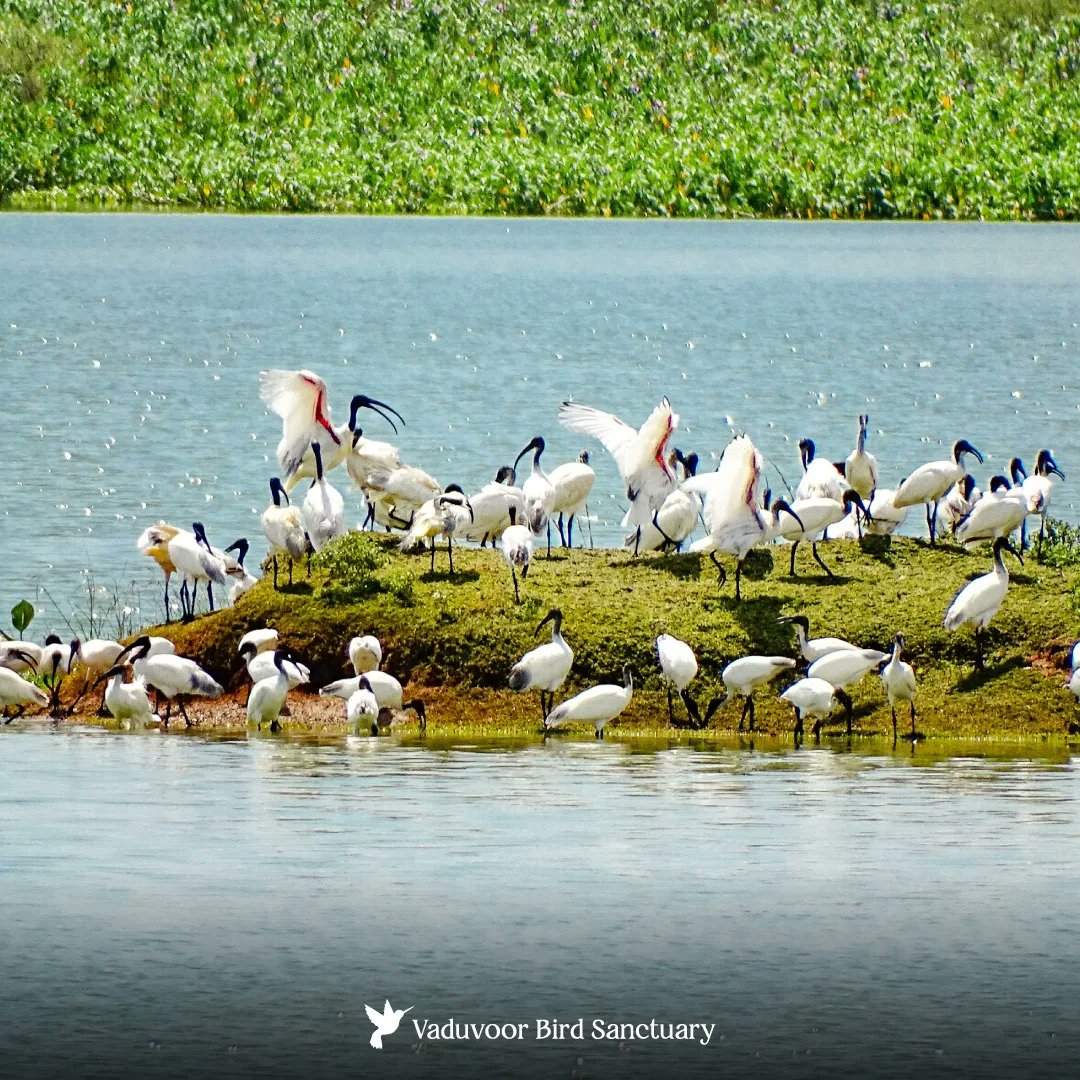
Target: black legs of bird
[(817, 559), (912, 736), (845, 700), (723, 574)]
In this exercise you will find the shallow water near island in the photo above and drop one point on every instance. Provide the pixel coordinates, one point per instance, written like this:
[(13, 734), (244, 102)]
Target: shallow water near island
[(178, 906), (130, 348)]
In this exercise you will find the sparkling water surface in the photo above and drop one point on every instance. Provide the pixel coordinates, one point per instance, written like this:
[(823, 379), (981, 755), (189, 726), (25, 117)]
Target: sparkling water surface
[(130, 347), (177, 906)]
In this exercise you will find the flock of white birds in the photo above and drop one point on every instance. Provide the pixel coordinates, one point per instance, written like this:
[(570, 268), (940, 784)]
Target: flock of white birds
[(667, 499)]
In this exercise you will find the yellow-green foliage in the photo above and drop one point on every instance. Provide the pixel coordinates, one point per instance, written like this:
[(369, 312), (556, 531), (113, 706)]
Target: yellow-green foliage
[(808, 108), (467, 632)]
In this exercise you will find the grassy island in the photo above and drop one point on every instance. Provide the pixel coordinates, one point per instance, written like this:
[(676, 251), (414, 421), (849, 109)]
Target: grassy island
[(688, 108), (454, 639)]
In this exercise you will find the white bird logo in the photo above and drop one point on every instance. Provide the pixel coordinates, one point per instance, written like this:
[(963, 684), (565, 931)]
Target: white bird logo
[(386, 1022)]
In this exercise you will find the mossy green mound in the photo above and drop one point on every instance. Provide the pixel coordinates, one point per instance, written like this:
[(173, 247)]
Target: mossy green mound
[(461, 635)]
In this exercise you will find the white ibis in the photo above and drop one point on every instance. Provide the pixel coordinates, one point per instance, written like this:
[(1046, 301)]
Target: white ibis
[(861, 468), (267, 697), (19, 692), (929, 482), (323, 509), (154, 543), (679, 667), (813, 648), (598, 705), (1000, 512), (443, 515), (811, 698), (516, 544), (544, 668), (363, 706), (747, 674), (1038, 490), (263, 639), (844, 668), (128, 702), (57, 660), (979, 600), (572, 481), (492, 505), (174, 677), (958, 502), (20, 656), (299, 398), (97, 655), (537, 491), (365, 653), (809, 518), (283, 527), (898, 678), (734, 520), (676, 519), (641, 455), (821, 479)]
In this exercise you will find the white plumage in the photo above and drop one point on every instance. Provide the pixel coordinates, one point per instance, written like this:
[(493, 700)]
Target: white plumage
[(174, 677), (679, 667), (1039, 490), (444, 515), (1074, 657), (885, 516), (810, 698), (598, 705), (677, 517), (808, 519), (898, 678), (194, 559), (283, 527), (538, 493), (262, 666), (929, 482), (814, 648), (641, 455), (573, 481), (264, 639), (299, 398), (129, 702), (323, 510), (958, 502), (544, 668), (844, 668), (365, 654), (979, 600), (387, 690), (362, 706), (492, 505), (267, 697), (821, 479), (20, 656), (734, 520), (861, 468), (998, 513), (747, 674), (516, 545), (17, 691)]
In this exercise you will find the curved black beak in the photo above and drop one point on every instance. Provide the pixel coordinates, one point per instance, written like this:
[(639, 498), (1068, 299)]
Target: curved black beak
[(964, 447), (241, 548), (1052, 467), (783, 505), (554, 615), (362, 401), (26, 658), (472, 516), (118, 669), (856, 498)]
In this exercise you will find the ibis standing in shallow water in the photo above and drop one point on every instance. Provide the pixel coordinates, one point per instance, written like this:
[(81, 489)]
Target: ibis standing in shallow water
[(679, 666), (268, 695), (642, 455), (898, 679), (929, 482), (544, 668), (744, 676), (809, 698), (979, 600), (844, 668), (598, 705)]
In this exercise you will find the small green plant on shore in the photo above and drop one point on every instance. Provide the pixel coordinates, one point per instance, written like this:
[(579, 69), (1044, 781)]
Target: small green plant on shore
[(352, 564), (22, 615), (1061, 544)]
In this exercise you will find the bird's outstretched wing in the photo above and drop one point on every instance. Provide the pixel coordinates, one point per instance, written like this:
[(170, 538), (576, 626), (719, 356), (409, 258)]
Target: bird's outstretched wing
[(299, 398), (618, 437), (375, 1017)]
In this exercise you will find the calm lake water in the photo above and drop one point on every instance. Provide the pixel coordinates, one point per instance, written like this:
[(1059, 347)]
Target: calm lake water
[(176, 906), (130, 347)]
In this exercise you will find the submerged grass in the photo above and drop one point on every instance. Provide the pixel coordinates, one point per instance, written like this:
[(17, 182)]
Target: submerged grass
[(456, 638)]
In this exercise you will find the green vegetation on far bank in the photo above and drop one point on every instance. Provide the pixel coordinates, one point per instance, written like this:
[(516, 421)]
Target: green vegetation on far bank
[(807, 108), (455, 639)]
